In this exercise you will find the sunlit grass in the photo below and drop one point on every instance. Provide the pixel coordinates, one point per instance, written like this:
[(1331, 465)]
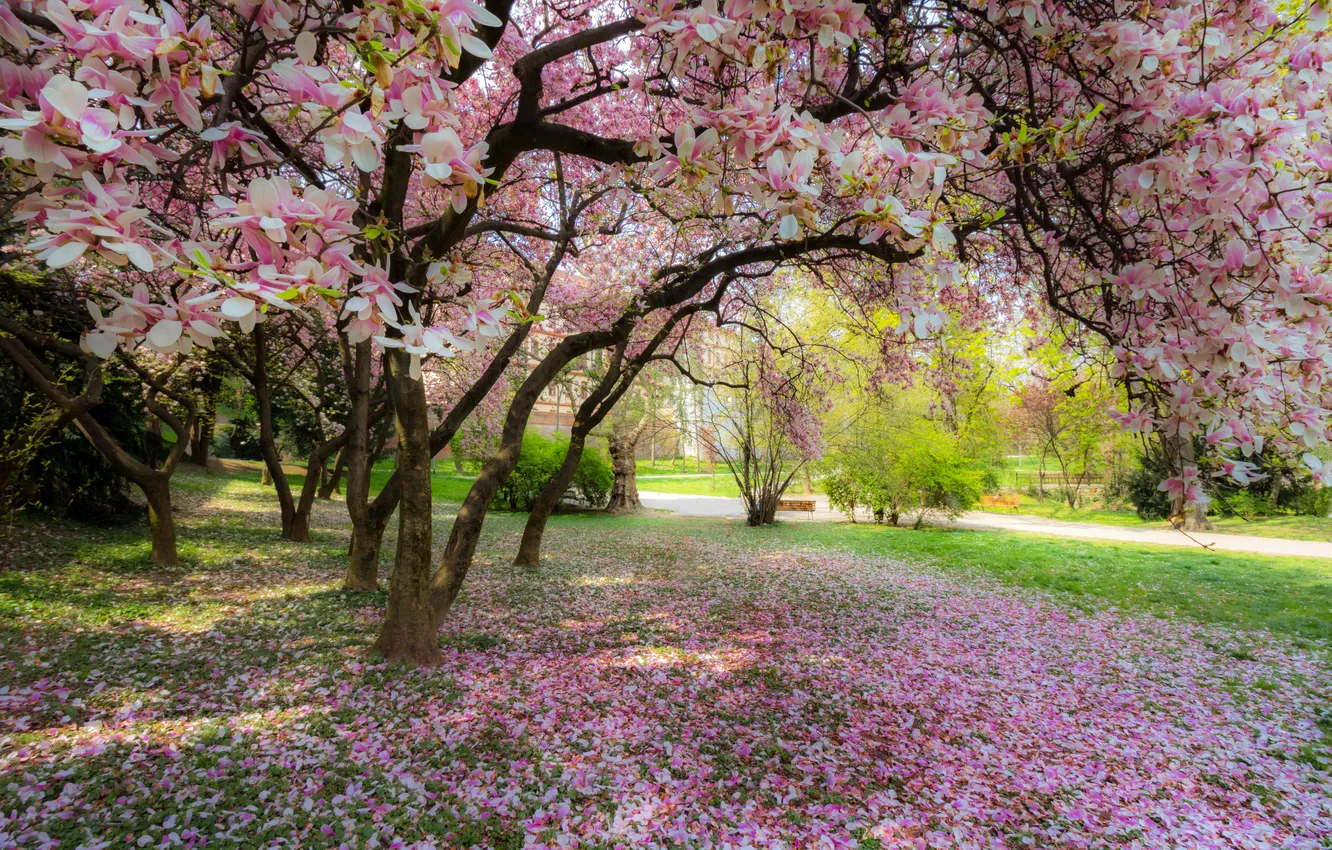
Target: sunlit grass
[(1287, 527), (94, 578)]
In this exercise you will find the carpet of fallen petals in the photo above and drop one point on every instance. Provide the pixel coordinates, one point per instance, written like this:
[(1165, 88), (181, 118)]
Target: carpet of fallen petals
[(644, 691)]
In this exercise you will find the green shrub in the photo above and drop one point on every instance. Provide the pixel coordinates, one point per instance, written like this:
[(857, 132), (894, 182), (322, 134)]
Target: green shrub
[(594, 477), (916, 468), (220, 445), (990, 479), (1295, 495), (539, 460), (244, 438), (844, 493), (65, 476), (1311, 502), (1144, 491)]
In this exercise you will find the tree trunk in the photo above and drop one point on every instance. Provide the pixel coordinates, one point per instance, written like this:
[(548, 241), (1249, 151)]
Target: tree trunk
[(624, 491), (315, 470), (466, 531), (363, 562), (598, 404), (161, 524), (381, 509), (763, 510), (1194, 519), (410, 628), (200, 442), (529, 551), (457, 463), (333, 484), (267, 437), (155, 441), (155, 483), (209, 385), (806, 482)]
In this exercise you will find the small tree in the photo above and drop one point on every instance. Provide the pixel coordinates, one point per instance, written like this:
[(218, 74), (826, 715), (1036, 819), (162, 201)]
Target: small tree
[(764, 425), (894, 461), (1068, 420)]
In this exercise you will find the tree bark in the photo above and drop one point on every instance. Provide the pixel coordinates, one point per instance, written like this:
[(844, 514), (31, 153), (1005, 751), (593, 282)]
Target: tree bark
[(209, 385), (363, 561), (315, 469), (161, 523), (529, 550), (763, 510), (466, 531), (368, 539), (1195, 518), (624, 490), (333, 484), (410, 628), (267, 438), (595, 408), (155, 483)]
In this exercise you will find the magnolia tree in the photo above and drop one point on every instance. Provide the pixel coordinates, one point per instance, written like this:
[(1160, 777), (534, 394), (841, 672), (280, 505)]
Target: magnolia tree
[(1157, 170), (1172, 196)]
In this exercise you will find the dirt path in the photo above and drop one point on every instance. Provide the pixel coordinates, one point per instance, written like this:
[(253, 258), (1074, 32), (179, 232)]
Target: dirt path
[(717, 506)]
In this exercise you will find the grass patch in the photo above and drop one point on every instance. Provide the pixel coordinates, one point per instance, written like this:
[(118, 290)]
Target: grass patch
[(1286, 527), (674, 466), (89, 577)]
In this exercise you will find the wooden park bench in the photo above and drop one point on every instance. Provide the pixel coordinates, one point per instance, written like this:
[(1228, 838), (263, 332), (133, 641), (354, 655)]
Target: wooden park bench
[(806, 505), (1000, 502)]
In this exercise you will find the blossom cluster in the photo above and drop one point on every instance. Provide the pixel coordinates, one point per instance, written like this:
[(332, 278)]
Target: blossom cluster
[(90, 121)]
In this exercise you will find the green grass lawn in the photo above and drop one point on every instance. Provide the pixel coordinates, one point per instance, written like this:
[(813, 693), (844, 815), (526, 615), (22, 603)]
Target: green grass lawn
[(78, 571), (1288, 527), (444, 486), (1291, 527), (674, 466), (722, 485)]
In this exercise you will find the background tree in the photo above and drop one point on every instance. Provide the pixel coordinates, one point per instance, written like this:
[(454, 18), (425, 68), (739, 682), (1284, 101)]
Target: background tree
[(1068, 423), (895, 460), (765, 421)]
